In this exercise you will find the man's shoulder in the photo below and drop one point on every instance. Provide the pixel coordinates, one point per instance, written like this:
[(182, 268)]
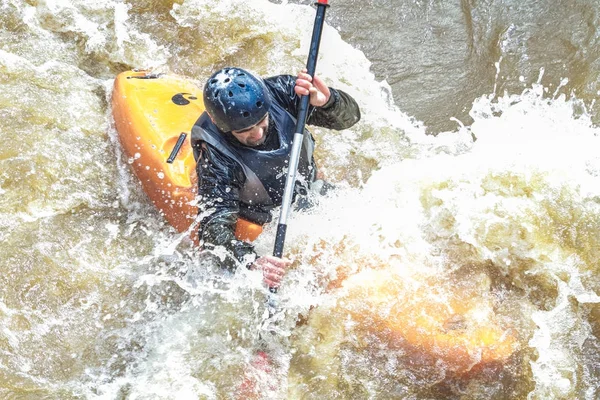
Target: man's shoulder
[(280, 83), (281, 88), (202, 127)]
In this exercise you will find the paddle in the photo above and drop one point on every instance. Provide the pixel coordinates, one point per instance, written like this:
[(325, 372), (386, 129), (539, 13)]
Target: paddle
[(248, 387), (290, 181)]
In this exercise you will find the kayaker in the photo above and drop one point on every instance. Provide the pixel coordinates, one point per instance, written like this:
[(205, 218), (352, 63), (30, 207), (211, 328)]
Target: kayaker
[(241, 144)]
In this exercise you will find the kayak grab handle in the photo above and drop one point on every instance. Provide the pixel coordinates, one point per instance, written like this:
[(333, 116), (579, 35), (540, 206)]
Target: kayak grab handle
[(177, 147)]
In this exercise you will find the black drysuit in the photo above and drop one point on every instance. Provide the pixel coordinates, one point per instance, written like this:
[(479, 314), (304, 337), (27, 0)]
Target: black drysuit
[(235, 180)]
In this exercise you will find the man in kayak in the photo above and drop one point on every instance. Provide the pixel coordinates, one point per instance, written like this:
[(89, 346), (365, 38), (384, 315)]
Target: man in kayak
[(242, 144)]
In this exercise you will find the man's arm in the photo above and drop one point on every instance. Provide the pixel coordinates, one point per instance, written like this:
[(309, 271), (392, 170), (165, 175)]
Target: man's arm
[(219, 180), (340, 111)]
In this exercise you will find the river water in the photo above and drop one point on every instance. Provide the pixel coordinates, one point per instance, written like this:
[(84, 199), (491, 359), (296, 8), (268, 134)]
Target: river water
[(472, 182)]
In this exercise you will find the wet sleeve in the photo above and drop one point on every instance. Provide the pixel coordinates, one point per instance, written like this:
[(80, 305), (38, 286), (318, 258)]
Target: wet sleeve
[(340, 112), (219, 182)]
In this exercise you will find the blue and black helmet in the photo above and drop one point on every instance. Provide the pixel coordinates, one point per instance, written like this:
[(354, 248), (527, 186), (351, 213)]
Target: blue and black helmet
[(235, 99)]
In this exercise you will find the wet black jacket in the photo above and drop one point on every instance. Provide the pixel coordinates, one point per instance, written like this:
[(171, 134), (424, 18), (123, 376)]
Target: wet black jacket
[(221, 178)]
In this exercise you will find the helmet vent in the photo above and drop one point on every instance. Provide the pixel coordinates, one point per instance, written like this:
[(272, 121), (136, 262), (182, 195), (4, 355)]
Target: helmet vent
[(235, 99)]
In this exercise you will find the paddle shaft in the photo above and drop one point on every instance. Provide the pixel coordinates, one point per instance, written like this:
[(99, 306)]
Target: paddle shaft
[(288, 194)]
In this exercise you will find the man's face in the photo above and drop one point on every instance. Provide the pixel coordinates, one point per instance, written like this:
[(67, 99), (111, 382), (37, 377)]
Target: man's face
[(254, 135)]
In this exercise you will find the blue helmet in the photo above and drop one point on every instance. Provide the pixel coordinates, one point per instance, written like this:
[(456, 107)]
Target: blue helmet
[(236, 99)]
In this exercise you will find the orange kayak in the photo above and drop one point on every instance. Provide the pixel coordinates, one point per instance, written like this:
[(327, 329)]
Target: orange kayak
[(152, 113), (452, 327)]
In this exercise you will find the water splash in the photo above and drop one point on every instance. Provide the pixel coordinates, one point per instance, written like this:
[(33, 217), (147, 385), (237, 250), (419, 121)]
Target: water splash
[(102, 299)]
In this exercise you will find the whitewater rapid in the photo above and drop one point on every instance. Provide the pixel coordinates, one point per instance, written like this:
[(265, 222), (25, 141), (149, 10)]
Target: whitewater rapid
[(101, 299)]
